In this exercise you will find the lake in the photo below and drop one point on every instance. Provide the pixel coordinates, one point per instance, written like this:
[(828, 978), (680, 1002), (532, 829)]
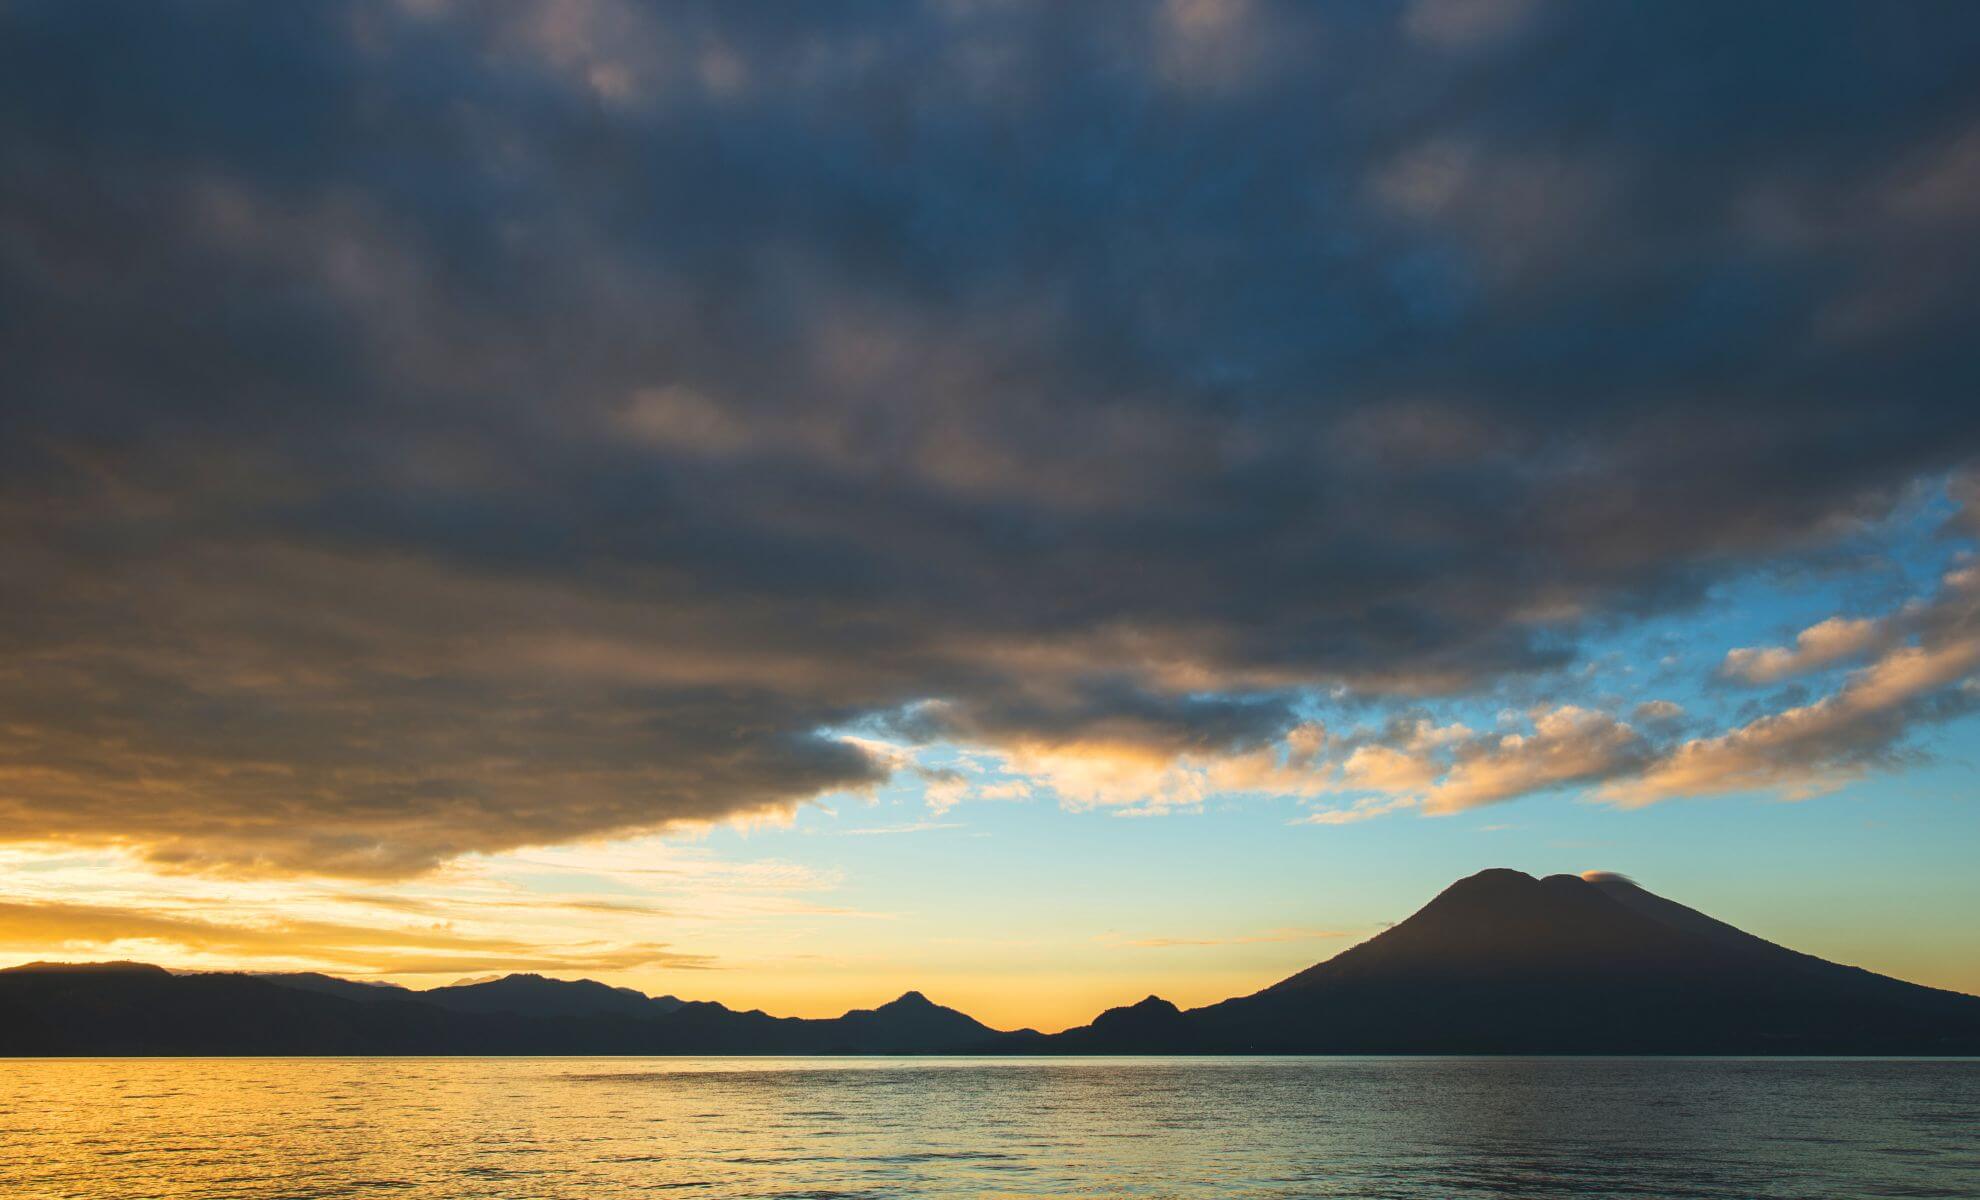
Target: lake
[(593, 1129)]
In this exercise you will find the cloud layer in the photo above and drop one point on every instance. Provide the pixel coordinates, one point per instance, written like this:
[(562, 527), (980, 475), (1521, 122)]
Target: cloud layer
[(432, 428), (1927, 672)]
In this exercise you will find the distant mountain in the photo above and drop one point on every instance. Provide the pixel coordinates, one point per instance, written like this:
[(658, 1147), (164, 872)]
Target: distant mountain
[(537, 996), (135, 1009), (120, 967), (330, 985), (1499, 963), (1153, 1026), (1503, 963), (912, 1022)]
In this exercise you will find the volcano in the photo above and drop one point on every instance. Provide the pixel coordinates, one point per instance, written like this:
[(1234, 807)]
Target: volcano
[(1504, 963)]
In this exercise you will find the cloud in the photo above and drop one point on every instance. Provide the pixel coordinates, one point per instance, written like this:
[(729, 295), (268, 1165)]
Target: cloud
[(1211, 45), (1382, 769), (1814, 747), (1143, 775), (1568, 745), (478, 428), (1797, 751), (1658, 713), (908, 827), (1461, 24), (944, 789), (1964, 490), (1415, 764), (101, 930), (639, 908), (1269, 936), (1837, 639), (1365, 809)]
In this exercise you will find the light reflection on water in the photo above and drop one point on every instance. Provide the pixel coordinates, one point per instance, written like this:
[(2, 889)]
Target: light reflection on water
[(423, 1129)]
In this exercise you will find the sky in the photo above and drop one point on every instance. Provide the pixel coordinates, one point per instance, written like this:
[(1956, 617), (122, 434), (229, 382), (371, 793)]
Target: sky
[(1036, 503)]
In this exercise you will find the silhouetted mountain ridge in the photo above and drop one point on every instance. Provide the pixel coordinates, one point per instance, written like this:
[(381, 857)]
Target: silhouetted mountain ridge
[(1499, 962), (133, 1009), (539, 996), (363, 991)]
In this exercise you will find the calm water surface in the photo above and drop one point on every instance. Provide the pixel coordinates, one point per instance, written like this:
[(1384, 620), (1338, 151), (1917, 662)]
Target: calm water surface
[(422, 1129)]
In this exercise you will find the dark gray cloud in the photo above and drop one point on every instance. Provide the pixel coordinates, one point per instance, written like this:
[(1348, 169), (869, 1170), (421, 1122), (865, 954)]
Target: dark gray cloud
[(434, 427)]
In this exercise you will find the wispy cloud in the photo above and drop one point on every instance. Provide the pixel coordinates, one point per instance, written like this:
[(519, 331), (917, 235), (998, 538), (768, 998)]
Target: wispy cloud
[(1267, 937), (910, 827), (105, 931)]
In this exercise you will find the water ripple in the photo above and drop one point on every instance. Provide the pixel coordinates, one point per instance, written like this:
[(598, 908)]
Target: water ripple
[(864, 1129)]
